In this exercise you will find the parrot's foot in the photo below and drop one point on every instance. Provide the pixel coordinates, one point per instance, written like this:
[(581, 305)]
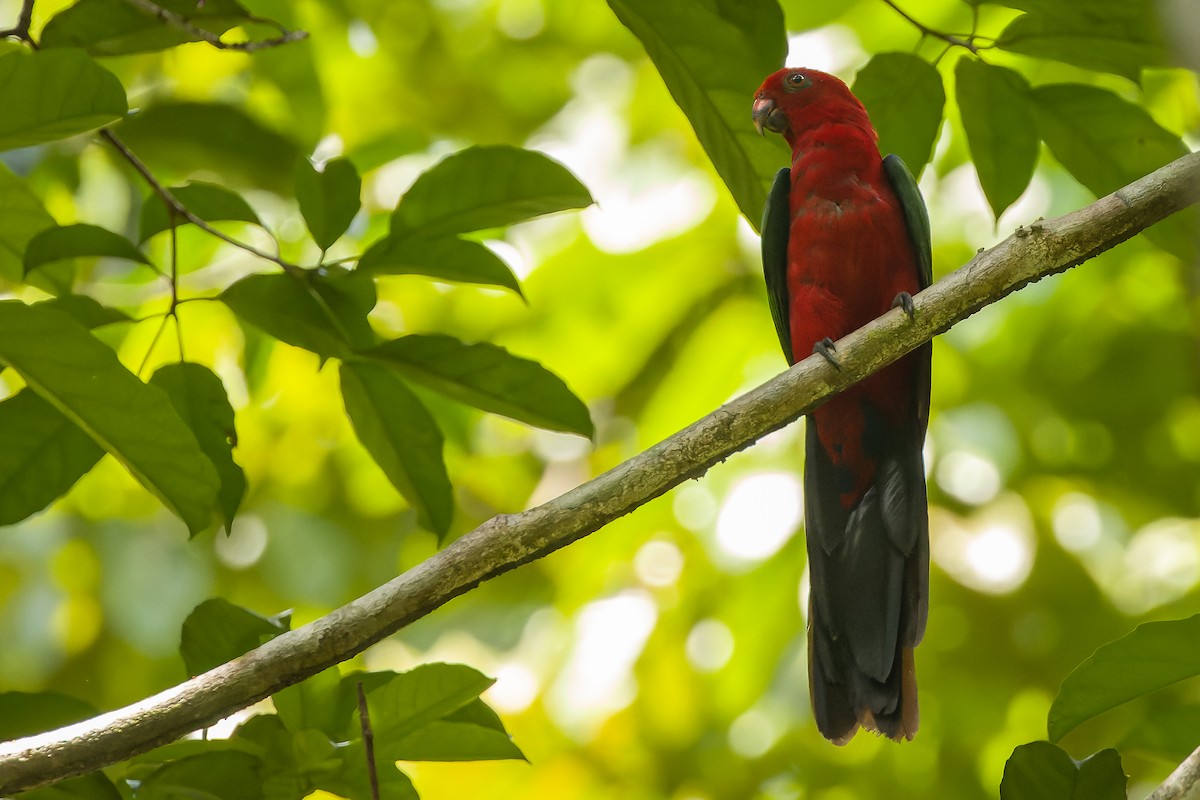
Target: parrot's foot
[(904, 300), (828, 351)]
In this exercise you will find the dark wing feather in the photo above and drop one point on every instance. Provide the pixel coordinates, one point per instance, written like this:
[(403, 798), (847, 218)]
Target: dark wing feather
[(916, 217), (776, 225)]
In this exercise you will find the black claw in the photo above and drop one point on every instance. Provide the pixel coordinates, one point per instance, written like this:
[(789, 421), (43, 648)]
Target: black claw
[(904, 300), (827, 349)]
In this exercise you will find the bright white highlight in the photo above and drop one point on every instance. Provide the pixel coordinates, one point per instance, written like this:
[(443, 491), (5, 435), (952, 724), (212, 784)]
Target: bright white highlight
[(759, 515), (245, 544), (709, 645), (834, 49), (658, 563), (1161, 564), (753, 733), (597, 679), (992, 551), (1077, 522), (694, 507), (968, 477), (515, 689)]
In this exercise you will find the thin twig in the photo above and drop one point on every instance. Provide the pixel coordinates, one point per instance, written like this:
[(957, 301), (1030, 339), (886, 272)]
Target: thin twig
[(196, 32), (364, 721), (178, 208), (507, 541), (959, 41)]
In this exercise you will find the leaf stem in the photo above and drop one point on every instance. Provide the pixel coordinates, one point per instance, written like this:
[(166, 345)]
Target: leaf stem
[(364, 720), (957, 41), (21, 29), (177, 208)]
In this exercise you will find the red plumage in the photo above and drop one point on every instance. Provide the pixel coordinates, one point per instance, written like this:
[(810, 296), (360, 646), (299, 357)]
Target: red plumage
[(851, 251)]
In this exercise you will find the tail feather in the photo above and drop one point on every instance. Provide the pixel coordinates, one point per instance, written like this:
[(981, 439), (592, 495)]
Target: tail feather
[(868, 568)]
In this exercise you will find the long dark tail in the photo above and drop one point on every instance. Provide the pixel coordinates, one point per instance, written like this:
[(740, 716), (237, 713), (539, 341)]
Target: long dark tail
[(869, 571)]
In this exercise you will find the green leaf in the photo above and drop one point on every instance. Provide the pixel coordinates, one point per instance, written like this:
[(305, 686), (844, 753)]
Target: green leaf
[(489, 378), (1043, 771), (314, 704), (353, 782), (85, 310), (116, 27), (188, 137), (411, 700), (486, 187), (207, 201), (478, 713), (27, 713), (22, 216), (329, 199), (200, 398), (1107, 142), (325, 314), (447, 259), (79, 241), (1154, 655), (904, 97), (218, 631), (993, 103), (95, 786), (221, 775), (713, 55), (42, 456), (402, 437), (54, 94), (136, 423), (452, 741), (1120, 44)]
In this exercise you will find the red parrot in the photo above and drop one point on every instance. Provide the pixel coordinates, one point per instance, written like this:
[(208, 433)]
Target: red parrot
[(845, 238)]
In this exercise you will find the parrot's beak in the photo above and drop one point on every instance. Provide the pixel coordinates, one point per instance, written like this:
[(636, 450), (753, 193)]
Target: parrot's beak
[(766, 114)]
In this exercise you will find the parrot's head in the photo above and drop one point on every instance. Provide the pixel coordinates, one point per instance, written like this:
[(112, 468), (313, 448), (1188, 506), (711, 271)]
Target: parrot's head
[(792, 101)]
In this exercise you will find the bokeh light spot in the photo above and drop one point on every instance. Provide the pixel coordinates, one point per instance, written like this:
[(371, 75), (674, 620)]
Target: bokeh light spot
[(760, 513)]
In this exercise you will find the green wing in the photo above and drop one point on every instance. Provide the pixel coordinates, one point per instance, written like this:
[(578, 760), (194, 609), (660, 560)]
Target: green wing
[(915, 216), (776, 224)]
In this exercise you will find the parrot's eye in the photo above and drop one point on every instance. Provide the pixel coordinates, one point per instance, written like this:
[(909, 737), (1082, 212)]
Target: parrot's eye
[(795, 80)]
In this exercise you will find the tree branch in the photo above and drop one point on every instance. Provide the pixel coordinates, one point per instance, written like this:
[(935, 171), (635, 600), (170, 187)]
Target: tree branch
[(21, 29), (1183, 783), (508, 541)]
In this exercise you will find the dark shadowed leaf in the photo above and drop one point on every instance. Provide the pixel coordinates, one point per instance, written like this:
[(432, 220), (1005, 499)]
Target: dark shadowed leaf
[(200, 398), (489, 378), (1122, 43), (207, 201), (329, 199), (42, 456), (136, 423), (326, 315), (904, 97), (402, 437), (1043, 771), (486, 187), (994, 106), (85, 310), (218, 631), (53, 94), (713, 56), (116, 27), (1107, 142), (227, 775), (22, 216), (213, 137), (353, 782), (79, 241), (1154, 655), (448, 258)]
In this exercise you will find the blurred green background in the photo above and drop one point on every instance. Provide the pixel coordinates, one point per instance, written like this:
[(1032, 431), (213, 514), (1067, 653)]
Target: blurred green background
[(663, 657)]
